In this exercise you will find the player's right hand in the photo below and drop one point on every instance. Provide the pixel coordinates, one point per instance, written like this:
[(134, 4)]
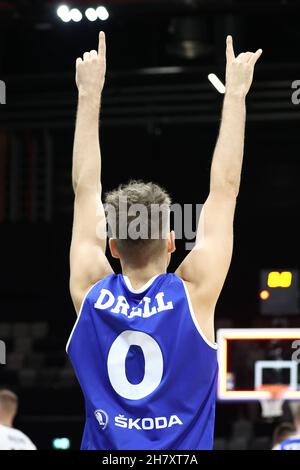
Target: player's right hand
[(90, 70), (239, 70)]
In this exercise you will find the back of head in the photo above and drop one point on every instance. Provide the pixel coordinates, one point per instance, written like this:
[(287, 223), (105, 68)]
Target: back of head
[(283, 431), (138, 215), (8, 405)]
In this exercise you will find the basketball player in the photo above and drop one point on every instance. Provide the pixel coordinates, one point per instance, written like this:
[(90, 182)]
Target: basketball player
[(11, 438), (282, 432), (292, 442), (143, 345)]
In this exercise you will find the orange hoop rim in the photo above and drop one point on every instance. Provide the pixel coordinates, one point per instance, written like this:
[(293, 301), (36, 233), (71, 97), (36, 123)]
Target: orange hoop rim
[(275, 390)]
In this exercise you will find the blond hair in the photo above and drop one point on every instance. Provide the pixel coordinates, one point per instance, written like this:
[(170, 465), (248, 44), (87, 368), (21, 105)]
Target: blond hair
[(137, 196)]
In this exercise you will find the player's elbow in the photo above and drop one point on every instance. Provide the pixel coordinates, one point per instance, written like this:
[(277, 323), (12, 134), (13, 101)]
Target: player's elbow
[(225, 182), (74, 182), (86, 184), (227, 187)]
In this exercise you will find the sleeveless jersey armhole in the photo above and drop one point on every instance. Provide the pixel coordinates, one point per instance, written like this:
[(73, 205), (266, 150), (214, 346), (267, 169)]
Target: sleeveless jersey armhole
[(194, 318), (79, 315)]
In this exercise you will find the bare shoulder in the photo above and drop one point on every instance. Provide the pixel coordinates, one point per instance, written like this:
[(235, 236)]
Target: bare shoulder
[(87, 268)]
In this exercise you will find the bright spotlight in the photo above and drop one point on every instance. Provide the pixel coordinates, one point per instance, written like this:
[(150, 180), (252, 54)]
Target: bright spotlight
[(63, 13), (102, 13), (91, 14), (216, 82), (66, 18), (63, 10), (75, 15)]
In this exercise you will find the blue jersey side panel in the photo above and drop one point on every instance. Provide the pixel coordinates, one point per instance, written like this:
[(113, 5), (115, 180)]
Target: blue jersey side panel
[(148, 376)]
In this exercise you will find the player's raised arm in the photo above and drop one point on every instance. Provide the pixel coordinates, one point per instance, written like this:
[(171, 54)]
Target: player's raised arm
[(88, 262), (206, 266)]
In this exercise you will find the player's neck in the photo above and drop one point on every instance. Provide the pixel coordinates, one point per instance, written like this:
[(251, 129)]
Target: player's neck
[(6, 421), (140, 276)]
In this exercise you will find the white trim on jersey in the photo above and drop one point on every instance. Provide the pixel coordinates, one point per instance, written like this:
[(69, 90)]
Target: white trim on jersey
[(208, 342), (141, 289), (78, 317), (290, 438)]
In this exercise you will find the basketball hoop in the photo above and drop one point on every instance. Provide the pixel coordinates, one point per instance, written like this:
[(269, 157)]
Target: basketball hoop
[(272, 407)]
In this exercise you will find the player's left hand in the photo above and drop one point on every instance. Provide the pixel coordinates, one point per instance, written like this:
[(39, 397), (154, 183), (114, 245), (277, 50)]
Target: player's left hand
[(239, 70), (90, 71)]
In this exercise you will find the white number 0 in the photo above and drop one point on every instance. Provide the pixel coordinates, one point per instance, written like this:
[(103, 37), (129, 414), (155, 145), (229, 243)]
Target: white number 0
[(116, 364)]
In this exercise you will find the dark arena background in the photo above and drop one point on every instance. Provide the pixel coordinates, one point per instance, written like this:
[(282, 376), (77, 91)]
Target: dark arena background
[(160, 120)]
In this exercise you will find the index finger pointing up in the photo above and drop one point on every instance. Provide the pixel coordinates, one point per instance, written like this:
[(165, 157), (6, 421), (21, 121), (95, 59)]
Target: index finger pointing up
[(102, 45), (229, 49)]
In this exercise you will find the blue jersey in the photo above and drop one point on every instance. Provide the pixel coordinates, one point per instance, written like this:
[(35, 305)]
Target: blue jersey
[(292, 443), (148, 374)]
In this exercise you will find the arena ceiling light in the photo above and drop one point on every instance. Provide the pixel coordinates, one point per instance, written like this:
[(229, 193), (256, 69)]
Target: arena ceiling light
[(76, 15), (92, 14), (63, 12), (102, 13)]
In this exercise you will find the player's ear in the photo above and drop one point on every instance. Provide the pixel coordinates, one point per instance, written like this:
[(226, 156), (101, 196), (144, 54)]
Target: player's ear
[(113, 248), (171, 242)]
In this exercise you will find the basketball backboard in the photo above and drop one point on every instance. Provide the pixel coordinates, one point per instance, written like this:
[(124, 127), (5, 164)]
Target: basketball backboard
[(254, 362)]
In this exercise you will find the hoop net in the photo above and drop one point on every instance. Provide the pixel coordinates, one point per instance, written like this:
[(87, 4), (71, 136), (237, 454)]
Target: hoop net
[(272, 407)]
